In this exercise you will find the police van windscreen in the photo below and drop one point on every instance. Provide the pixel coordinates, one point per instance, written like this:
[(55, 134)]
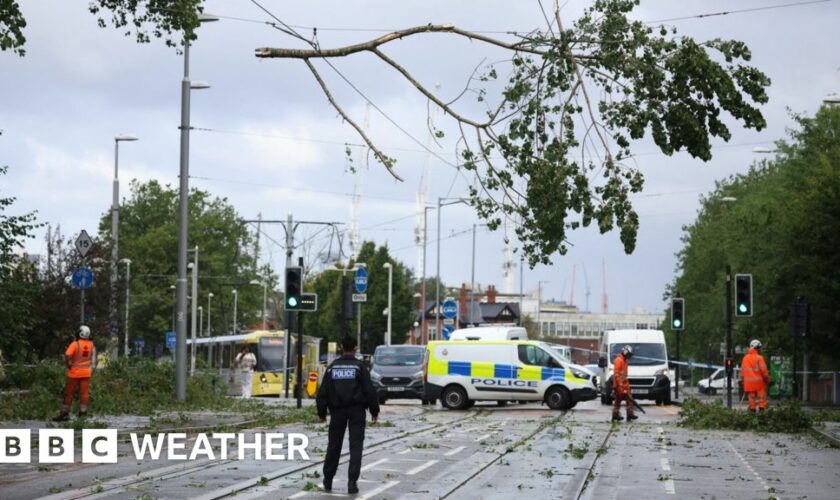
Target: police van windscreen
[(643, 353), (393, 356)]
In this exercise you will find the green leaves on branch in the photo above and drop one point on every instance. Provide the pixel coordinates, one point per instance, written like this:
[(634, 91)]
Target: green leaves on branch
[(554, 158)]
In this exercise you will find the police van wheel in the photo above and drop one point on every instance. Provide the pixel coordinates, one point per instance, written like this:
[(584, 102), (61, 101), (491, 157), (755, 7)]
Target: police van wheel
[(454, 398), (558, 398)]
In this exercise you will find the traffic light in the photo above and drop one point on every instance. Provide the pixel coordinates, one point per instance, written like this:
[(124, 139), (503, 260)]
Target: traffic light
[(743, 295), (294, 288), (678, 314), (729, 365)]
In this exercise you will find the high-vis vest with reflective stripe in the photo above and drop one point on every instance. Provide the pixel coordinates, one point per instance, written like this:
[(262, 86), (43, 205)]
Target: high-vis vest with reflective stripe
[(80, 355), (620, 379), (754, 372)]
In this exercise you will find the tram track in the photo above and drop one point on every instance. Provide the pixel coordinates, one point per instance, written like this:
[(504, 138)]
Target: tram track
[(108, 488)]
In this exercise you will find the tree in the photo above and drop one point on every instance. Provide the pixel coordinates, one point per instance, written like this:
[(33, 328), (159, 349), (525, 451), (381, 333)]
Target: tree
[(783, 228), (149, 237), (325, 323), (18, 278), (586, 91), (143, 19), (529, 150)]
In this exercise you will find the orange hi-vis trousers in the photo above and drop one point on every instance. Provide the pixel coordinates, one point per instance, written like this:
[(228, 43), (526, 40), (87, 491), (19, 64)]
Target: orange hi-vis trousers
[(83, 386), (761, 396)]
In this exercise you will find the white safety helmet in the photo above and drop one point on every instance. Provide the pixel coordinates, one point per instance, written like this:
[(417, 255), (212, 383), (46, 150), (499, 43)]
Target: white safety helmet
[(755, 344), (84, 332), (627, 351)]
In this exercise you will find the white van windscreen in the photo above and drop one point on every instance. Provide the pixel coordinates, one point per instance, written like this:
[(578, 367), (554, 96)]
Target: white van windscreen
[(643, 353)]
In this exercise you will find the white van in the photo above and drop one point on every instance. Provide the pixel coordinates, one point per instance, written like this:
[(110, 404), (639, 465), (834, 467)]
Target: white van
[(647, 369), (490, 333), (717, 382), (463, 372)]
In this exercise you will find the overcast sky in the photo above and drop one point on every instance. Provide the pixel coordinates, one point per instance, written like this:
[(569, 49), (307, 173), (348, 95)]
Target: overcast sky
[(277, 147)]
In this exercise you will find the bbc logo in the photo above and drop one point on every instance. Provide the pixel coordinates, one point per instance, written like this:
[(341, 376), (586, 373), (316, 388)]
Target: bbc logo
[(57, 446)]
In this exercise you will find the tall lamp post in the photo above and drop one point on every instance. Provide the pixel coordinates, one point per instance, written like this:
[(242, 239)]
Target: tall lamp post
[(209, 329), (265, 298), (442, 202), (183, 212), (390, 269), (127, 263), (235, 296), (115, 240), (174, 304), (728, 340)]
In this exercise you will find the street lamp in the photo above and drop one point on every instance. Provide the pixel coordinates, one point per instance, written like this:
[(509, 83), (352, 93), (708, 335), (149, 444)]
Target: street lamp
[(174, 305), (539, 305), (440, 203), (832, 99), (265, 297), (209, 330), (183, 217), (127, 263), (728, 340), (235, 297), (115, 239), (390, 269)]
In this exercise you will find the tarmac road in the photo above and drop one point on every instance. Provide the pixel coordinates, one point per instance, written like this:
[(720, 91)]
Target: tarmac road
[(517, 451)]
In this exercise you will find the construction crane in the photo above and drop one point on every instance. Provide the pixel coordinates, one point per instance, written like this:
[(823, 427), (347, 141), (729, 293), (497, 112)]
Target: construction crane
[(586, 283)]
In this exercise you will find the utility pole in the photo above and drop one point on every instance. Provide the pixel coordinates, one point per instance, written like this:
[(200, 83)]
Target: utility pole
[(728, 283)]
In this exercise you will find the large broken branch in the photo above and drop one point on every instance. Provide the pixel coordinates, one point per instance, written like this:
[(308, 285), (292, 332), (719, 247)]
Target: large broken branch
[(390, 37)]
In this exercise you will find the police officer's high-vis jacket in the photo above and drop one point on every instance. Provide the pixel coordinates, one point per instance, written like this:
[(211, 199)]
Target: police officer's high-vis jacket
[(346, 384)]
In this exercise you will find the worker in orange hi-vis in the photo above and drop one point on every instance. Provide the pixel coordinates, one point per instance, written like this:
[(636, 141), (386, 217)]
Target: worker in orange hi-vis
[(755, 376), (621, 384), (80, 357)]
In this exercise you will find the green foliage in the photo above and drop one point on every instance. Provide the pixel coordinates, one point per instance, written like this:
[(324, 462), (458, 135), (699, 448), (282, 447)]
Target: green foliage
[(149, 237), (787, 416), (143, 19), (18, 278), (784, 229), (648, 80), (141, 387)]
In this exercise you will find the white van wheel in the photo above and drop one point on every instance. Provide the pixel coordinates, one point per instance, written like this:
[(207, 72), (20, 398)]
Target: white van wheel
[(558, 398), (454, 398)]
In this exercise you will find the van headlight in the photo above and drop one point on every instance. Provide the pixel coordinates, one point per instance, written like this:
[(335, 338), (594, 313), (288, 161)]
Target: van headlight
[(662, 371), (418, 374), (580, 374), (375, 375)]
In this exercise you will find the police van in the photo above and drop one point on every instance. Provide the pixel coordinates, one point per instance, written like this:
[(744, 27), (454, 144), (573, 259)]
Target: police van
[(490, 333), (463, 372)]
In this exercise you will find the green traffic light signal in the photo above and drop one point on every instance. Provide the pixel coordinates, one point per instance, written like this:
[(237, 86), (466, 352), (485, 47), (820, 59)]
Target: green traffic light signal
[(743, 308), (678, 313), (743, 295), (292, 302)]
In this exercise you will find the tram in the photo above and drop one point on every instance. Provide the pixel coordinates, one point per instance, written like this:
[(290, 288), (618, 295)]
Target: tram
[(269, 347)]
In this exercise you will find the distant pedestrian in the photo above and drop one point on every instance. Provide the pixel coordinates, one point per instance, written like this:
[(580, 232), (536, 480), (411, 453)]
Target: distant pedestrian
[(755, 377), (246, 361), (80, 357), (621, 384), (347, 392)]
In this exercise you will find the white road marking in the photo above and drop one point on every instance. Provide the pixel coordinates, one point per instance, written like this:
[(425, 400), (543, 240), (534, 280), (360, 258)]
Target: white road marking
[(374, 464), (748, 466), (407, 450), (379, 490), (482, 438), (670, 488), (453, 451), (665, 466), (420, 468)]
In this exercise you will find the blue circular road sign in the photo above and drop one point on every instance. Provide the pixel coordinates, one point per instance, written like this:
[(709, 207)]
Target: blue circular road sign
[(82, 278), (361, 280), (449, 309)]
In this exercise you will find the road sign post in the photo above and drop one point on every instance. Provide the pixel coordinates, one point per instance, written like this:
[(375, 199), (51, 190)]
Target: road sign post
[(361, 283), (449, 310)]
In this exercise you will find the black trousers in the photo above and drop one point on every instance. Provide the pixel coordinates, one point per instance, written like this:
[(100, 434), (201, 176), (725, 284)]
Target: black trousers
[(340, 419)]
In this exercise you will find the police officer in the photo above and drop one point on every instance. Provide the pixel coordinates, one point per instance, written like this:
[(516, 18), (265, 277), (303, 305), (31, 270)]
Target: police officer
[(347, 391)]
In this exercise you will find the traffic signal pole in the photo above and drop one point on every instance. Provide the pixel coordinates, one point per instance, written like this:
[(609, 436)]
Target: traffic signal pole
[(728, 336)]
